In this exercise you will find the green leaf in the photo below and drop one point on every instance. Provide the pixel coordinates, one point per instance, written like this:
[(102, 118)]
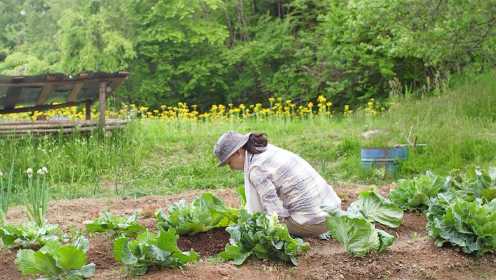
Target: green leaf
[(122, 253), (203, 214), (234, 253), (33, 263), (158, 254), (242, 195), (118, 225), (414, 194), (470, 225), (385, 240), (263, 237), (25, 261), (357, 234), (82, 243), (86, 271), (375, 208), (70, 258), (488, 194), (151, 250), (9, 234), (186, 257), (55, 261), (29, 235), (167, 240)]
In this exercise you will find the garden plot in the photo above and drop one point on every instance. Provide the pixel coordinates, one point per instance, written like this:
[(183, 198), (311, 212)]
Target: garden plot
[(412, 256)]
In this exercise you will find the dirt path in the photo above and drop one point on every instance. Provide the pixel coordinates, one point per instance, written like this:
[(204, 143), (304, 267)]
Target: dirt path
[(413, 255)]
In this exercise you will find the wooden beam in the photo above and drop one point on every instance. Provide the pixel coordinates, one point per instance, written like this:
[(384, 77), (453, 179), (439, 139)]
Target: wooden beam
[(55, 82), (101, 106), (35, 126), (11, 97), (40, 107), (116, 83), (36, 84), (5, 125), (45, 92), (87, 110), (75, 91), (58, 130)]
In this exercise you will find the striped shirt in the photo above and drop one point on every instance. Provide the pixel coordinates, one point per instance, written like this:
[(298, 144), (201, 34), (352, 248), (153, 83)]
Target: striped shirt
[(290, 187)]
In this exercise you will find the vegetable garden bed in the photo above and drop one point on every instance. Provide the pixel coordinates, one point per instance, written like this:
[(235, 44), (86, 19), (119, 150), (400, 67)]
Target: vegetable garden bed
[(412, 256)]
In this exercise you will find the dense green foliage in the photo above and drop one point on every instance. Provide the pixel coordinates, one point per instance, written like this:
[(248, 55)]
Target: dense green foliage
[(460, 212), (212, 51), (203, 214), (480, 184), (263, 237), (150, 249), (28, 235), (470, 225), (56, 261), (415, 193), (117, 225)]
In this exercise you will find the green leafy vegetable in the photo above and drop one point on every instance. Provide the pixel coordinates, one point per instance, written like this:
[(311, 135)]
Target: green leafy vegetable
[(470, 225), (481, 185), (151, 249), (461, 209), (118, 225), (375, 208), (414, 194), (203, 214), (29, 235), (242, 195), (357, 234), (55, 261), (263, 237)]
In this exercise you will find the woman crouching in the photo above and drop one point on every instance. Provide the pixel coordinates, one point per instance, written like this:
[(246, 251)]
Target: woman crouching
[(279, 181)]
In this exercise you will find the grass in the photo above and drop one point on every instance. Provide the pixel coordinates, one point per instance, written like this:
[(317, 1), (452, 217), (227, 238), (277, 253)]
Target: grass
[(6, 191), (161, 157)]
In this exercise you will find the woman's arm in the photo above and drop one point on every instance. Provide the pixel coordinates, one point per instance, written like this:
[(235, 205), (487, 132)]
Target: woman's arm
[(260, 180)]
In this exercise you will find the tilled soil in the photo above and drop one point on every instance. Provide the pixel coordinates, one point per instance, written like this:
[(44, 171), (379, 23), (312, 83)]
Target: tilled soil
[(206, 244), (412, 256)]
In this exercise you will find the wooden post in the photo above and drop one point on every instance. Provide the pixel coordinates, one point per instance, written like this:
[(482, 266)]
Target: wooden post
[(101, 106), (73, 95), (87, 110), (11, 97), (45, 92)]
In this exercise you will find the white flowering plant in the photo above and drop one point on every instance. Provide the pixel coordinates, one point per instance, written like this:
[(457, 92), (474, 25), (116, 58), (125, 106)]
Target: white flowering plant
[(37, 195)]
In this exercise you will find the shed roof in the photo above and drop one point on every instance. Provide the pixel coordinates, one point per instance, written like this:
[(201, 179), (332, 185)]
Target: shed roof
[(50, 91)]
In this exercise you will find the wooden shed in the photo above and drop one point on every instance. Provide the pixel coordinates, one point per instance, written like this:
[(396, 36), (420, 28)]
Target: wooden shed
[(20, 94)]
